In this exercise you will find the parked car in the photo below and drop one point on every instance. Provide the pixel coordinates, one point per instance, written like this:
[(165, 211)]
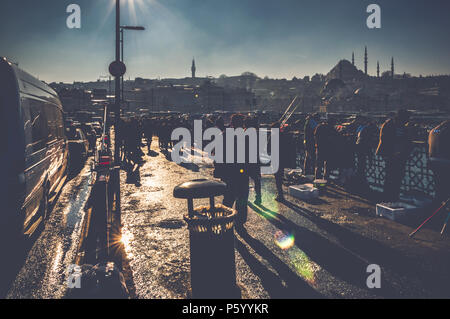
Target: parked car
[(78, 148), (91, 135), (34, 150)]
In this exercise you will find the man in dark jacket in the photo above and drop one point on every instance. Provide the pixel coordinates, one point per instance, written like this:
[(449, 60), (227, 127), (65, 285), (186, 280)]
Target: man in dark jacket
[(236, 176), (395, 147), (255, 168), (288, 153), (325, 137)]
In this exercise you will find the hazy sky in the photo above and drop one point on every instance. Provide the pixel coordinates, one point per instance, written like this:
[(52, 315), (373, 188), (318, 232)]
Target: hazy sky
[(281, 39)]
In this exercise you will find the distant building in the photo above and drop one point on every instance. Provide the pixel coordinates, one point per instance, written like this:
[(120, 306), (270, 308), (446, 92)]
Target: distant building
[(392, 68), (193, 68), (366, 61), (344, 88)]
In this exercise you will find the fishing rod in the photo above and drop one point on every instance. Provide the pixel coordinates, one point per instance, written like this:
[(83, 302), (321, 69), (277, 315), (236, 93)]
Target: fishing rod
[(289, 107), (429, 218), (286, 119), (289, 116), (445, 224)]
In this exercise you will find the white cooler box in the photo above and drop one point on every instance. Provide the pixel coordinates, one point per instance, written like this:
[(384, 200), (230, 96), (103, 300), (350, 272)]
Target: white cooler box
[(395, 211), (305, 191)]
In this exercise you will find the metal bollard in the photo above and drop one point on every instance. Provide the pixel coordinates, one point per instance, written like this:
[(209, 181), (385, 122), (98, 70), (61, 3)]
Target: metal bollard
[(211, 233)]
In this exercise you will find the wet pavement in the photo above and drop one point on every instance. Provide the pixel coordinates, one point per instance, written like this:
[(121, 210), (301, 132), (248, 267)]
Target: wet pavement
[(292, 249), (40, 269)]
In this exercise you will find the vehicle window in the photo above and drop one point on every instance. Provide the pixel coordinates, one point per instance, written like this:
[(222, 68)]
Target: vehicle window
[(50, 117), (38, 125), (59, 123)]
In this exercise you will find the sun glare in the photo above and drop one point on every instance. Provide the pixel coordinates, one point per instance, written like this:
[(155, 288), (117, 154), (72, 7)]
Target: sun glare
[(135, 6)]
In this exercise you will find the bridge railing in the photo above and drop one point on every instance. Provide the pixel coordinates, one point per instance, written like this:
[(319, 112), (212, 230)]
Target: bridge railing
[(418, 177)]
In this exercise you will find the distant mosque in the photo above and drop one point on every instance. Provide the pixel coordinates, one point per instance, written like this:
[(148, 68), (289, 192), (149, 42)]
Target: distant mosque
[(366, 62)]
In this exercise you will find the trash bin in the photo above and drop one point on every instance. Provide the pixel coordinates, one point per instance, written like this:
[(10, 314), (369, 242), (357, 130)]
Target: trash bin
[(211, 234)]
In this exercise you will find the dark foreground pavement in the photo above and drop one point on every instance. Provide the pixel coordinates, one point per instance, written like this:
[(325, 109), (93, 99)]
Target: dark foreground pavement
[(289, 250), (41, 268)]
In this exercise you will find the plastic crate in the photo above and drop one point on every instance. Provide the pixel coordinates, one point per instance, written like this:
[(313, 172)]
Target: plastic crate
[(304, 192), (320, 184), (395, 211)]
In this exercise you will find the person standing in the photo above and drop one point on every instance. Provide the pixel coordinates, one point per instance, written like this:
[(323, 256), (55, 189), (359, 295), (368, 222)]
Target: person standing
[(394, 146), (366, 135), (308, 140), (439, 159), (236, 176), (255, 169), (325, 137), (288, 154), (148, 133)]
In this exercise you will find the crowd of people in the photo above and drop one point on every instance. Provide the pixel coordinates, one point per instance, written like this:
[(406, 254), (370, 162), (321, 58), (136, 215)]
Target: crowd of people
[(327, 144)]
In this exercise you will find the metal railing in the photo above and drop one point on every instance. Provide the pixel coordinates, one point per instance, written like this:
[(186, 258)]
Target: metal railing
[(418, 177)]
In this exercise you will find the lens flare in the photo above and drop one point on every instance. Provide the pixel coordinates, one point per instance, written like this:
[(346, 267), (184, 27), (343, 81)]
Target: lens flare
[(303, 266), (284, 240), (126, 240)]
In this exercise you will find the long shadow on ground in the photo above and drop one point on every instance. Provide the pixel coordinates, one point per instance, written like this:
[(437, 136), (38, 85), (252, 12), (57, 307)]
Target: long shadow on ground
[(336, 259), (375, 252), (294, 287)]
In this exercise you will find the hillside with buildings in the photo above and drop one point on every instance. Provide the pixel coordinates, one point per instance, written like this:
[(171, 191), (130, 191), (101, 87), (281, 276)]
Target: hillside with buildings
[(344, 88)]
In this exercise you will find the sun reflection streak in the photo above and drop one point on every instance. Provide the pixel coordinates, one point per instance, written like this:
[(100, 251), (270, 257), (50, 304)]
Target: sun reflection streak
[(304, 267), (123, 240), (285, 240)]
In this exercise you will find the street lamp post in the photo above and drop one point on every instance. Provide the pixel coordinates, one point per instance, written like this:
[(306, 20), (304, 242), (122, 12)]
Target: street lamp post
[(122, 28), (117, 87), (118, 69), (121, 59)]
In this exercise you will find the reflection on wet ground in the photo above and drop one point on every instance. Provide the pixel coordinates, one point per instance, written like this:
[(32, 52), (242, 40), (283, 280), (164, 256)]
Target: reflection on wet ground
[(289, 250), (41, 270)]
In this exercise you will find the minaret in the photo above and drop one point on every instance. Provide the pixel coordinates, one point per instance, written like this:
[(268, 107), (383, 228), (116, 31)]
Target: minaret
[(378, 69), (392, 68), (365, 60), (353, 58), (193, 68)]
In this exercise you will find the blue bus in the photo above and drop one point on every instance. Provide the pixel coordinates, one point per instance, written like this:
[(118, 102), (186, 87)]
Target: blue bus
[(33, 150)]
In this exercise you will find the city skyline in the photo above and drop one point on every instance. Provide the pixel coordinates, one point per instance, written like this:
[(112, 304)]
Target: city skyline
[(281, 40)]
